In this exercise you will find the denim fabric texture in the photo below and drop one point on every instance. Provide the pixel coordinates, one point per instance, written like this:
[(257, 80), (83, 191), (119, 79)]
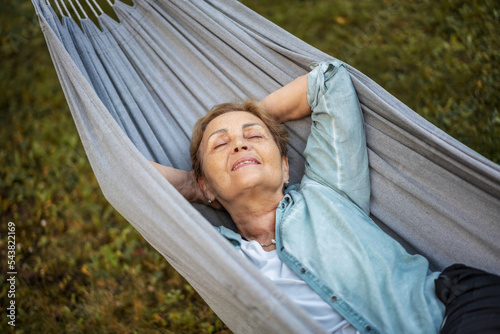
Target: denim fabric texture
[(324, 232)]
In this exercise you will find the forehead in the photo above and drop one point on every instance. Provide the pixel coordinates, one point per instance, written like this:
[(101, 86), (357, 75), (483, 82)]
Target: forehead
[(233, 119)]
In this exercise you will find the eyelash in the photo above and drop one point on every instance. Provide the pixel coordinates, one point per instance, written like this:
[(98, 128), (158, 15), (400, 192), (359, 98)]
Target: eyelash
[(220, 145), (251, 137)]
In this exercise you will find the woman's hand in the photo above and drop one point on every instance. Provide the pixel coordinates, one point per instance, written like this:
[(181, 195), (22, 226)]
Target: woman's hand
[(195, 193), (185, 183)]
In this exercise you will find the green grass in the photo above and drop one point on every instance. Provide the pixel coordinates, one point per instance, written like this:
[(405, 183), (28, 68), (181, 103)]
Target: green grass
[(441, 58), (82, 268)]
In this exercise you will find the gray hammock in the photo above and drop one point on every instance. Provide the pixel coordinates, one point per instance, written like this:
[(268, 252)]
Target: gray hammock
[(135, 89)]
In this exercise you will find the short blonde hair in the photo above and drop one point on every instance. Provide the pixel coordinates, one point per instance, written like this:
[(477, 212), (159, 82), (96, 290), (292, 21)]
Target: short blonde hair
[(277, 130)]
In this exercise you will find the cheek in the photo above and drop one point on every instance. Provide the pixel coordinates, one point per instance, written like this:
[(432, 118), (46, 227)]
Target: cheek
[(274, 156), (212, 168)]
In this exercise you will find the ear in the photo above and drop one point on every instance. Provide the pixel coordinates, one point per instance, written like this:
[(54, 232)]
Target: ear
[(205, 188), (286, 169)]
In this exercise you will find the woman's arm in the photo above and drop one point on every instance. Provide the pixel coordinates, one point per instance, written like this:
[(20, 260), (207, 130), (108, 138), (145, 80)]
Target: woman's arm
[(286, 103), (185, 183), (290, 101), (336, 152)]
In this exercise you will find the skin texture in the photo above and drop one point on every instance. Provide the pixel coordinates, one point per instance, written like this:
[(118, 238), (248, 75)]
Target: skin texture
[(250, 192)]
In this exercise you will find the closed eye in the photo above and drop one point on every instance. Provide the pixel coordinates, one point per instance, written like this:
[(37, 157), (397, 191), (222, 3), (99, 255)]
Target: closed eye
[(254, 135), (219, 145)]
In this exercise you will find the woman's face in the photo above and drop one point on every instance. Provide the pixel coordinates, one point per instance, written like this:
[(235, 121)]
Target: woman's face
[(238, 154)]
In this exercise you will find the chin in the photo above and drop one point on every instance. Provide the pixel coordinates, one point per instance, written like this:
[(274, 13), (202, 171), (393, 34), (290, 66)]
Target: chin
[(252, 181)]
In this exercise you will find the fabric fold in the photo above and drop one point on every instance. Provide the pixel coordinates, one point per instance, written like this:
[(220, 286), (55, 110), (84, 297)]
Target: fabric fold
[(136, 87)]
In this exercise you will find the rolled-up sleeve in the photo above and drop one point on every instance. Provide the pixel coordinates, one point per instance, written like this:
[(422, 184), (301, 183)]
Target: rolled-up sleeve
[(336, 154)]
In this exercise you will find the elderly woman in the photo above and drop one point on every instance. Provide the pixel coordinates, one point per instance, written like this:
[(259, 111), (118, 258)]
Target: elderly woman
[(315, 240)]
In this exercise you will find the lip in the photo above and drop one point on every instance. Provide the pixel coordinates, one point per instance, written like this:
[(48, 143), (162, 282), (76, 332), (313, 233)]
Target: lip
[(240, 160)]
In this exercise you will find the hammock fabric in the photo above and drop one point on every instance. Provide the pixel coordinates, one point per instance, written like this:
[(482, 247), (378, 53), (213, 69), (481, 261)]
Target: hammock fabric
[(135, 89)]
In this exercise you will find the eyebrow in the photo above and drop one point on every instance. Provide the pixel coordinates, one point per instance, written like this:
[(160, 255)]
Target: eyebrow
[(244, 126)]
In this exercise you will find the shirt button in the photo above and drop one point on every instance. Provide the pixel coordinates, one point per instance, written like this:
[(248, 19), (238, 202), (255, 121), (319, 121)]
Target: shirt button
[(334, 298), (282, 205), (368, 328), (302, 270)]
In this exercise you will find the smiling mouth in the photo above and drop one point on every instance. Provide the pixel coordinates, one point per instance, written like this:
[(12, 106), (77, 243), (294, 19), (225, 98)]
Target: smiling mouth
[(245, 162)]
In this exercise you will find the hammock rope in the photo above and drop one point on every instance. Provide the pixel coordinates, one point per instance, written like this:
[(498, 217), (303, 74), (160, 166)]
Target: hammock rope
[(92, 8), (60, 10), (136, 87), (90, 5)]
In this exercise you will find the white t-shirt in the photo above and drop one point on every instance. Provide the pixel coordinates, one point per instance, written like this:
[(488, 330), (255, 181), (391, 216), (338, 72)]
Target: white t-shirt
[(294, 287)]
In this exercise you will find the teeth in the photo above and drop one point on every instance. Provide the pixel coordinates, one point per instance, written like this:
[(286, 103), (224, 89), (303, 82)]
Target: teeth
[(242, 163)]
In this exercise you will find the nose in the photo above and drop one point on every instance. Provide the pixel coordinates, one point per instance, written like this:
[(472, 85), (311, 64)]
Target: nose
[(238, 148), (239, 145)]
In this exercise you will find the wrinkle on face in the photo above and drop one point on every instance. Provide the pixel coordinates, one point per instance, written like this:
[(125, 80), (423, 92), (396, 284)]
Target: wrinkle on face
[(239, 135)]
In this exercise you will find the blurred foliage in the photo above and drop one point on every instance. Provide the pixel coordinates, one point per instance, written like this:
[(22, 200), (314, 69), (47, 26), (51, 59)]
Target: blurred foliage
[(441, 58), (82, 268)]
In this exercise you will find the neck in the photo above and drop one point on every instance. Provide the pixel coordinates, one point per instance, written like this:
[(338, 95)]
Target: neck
[(255, 216)]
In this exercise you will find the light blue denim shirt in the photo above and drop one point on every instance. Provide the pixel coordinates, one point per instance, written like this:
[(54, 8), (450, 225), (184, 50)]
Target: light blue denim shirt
[(324, 232)]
